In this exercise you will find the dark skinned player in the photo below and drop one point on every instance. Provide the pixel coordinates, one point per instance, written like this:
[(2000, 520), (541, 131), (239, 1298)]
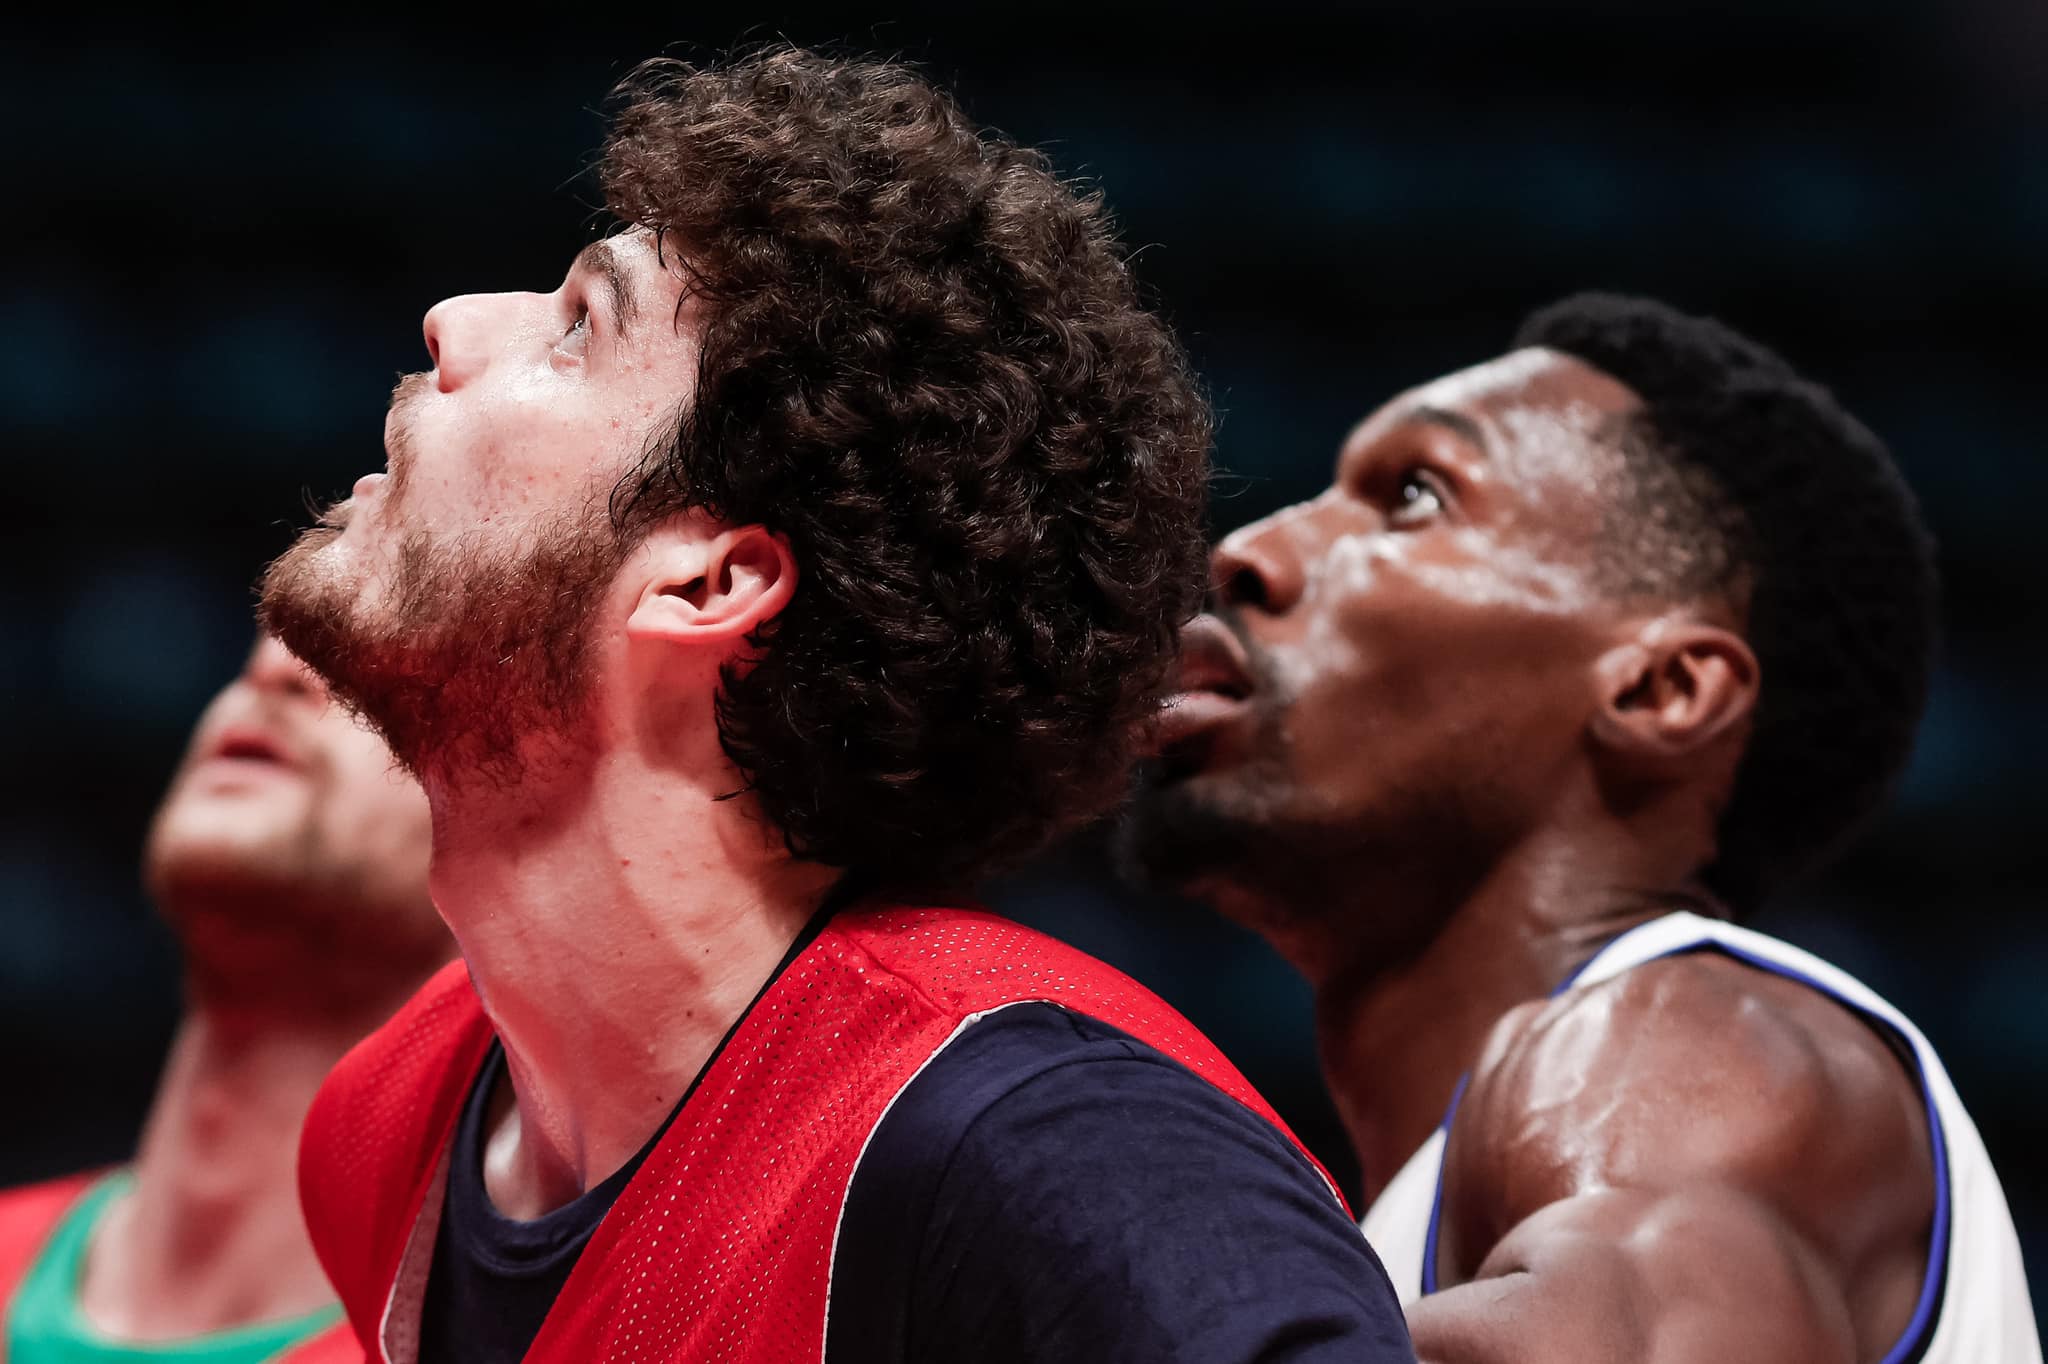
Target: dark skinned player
[(1585, 651)]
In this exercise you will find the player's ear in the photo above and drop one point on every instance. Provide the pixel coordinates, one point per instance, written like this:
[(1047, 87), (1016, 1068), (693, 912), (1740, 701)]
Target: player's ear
[(1675, 686), (711, 584)]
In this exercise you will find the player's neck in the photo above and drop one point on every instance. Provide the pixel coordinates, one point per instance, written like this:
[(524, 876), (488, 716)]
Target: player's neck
[(1395, 1036), (211, 1237), (616, 922)]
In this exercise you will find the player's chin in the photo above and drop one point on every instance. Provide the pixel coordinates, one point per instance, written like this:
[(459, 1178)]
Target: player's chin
[(1178, 825), (326, 573), (304, 566), (221, 848)]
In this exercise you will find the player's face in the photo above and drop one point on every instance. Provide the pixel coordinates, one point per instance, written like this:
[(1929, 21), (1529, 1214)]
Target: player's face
[(284, 801), (534, 401), (489, 540), (1403, 661)]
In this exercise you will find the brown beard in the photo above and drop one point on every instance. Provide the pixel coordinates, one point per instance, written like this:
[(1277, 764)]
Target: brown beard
[(482, 652)]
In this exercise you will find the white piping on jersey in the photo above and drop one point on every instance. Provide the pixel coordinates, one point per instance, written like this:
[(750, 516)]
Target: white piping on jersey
[(405, 1303), (846, 1194)]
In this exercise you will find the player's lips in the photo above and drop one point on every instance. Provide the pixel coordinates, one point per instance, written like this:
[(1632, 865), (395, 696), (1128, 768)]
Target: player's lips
[(366, 485), (1215, 680), (252, 745)]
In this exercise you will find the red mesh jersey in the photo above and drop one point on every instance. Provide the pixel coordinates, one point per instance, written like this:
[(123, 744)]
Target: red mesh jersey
[(720, 1247), (30, 1214)]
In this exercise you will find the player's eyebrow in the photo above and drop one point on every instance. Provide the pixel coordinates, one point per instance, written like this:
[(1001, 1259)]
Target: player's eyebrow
[(601, 259), (1470, 430)]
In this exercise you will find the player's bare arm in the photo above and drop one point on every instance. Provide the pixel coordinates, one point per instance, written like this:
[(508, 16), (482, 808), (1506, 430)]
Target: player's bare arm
[(1697, 1161)]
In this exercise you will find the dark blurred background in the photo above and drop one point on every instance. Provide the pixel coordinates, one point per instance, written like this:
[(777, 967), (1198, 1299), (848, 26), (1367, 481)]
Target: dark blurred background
[(221, 242)]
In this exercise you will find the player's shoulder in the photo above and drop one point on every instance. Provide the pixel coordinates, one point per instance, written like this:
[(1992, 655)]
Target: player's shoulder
[(381, 1077), (335, 1345), (1690, 1069), (1009, 1057), (30, 1209), (963, 964), (28, 1200), (1052, 1173), (434, 1039), (1013, 1104), (445, 994), (1036, 1084), (963, 958), (29, 1214)]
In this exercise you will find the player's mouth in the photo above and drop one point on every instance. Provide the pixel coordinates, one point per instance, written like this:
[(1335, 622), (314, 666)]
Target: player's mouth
[(1212, 691), (249, 749)]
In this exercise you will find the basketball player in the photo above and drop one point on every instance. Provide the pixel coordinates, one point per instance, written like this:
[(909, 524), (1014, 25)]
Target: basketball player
[(1585, 651), (291, 859), (818, 544)]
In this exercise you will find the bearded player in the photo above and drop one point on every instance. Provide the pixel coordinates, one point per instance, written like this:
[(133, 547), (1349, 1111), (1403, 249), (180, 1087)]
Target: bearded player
[(1586, 651), (817, 545), (290, 857)]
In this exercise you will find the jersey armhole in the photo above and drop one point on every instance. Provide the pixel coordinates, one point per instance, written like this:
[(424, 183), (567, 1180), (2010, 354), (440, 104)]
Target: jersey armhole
[(1912, 1345)]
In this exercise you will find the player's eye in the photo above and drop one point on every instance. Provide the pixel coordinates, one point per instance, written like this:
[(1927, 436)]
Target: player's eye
[(1418, 495), (576, 340)]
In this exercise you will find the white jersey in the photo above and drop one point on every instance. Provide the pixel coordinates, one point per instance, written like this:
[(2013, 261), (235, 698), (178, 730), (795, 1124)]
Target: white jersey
[(1973, 1306)]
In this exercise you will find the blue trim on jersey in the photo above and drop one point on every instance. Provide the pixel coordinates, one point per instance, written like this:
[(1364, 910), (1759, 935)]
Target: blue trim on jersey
[(1927, 1308), (1436, 1206)]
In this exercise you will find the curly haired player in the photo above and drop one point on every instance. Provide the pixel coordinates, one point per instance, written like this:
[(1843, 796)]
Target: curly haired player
[(1585, 651), (818, 545)]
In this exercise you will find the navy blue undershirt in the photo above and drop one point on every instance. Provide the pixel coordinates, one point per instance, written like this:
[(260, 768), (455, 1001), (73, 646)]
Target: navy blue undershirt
[(1049, 1188), (494, 1278)]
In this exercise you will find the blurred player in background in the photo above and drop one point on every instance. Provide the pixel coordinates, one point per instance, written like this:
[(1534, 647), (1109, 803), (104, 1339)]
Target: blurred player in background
[(290, 858), (1586, 651), (818, 545)]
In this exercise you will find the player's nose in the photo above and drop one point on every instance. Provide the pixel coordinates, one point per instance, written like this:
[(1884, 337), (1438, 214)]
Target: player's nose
[(458, 333), (1258, 566), (275, 669)]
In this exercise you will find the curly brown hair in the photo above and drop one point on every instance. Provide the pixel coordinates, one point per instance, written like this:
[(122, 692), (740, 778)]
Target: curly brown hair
[(926, 363)]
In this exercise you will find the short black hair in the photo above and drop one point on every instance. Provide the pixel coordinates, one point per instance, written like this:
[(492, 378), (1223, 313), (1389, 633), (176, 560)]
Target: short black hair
[(1765, 487)]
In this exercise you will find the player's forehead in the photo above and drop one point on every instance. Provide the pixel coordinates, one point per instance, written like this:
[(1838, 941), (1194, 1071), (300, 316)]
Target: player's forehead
[(1507, 397), (1534, 426), (642, 271)]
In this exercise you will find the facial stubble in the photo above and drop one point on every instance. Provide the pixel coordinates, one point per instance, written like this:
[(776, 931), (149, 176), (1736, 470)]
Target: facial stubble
[(481, 650)]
